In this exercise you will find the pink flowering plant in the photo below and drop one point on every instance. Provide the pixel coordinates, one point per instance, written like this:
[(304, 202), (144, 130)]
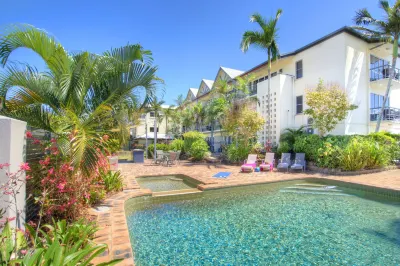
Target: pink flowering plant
[(61, 190)]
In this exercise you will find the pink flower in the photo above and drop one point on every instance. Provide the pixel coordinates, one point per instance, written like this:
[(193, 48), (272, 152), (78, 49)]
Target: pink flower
[(10, 219), (87, 195), (53, 140), (106, 137), (28, 177), (25, 167), (23, 251), (36, 141), (4, 165), (61, 186), (45, 162), (51, 171), (56, 153), (29, 134)]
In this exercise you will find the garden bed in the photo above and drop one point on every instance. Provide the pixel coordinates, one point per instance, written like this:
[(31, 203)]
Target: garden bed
[(340, 172)]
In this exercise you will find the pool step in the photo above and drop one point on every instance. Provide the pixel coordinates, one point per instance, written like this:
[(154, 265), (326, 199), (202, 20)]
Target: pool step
[(311, 185), (296, 191), (176, 192), (324, 189)]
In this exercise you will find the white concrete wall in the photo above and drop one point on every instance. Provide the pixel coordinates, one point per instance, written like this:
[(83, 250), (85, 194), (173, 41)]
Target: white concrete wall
[(12, 151)]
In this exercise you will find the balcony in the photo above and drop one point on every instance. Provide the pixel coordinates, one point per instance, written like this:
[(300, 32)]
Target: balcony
[(379, 77), (389, 114)]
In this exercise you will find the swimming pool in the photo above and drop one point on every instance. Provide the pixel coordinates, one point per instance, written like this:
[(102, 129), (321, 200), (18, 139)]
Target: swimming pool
[(284, 223)]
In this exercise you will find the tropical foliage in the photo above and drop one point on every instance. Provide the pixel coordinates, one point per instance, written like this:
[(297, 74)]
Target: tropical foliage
[(350, 153), (81, 97), (386, 29), (199, 149), (328, 105)]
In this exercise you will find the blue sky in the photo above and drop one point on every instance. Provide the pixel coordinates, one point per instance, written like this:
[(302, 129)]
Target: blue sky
[(189, 39)]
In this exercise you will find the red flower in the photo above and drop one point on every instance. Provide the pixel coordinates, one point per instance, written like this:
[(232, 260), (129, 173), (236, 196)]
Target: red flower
[(29, 134), (36, 141), (53, 140), (28, 177), (106, 137), (61, 186), (25, 167)]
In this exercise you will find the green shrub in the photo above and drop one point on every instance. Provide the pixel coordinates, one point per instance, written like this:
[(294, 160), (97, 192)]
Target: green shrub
[(328, 154), (389, 141), (354, 156), (97, 195), (237, 154), (377, 155), (190, 137), (283, 147), (199, 149), (113, 181), (308, 144), (160, 146), (177, 145)]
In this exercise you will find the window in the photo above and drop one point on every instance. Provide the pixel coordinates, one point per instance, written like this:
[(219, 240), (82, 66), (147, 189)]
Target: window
[(152, 114), (299, 104), (152, 129), (377, 101), (299, 69)]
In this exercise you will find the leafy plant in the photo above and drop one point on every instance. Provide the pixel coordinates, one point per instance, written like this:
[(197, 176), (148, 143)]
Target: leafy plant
[(113, 181), (237, 154), (328, 105), (9, 245), (289, 136), (112, 146), (199, 149), (283, 147), (177, 144), (354, 156), (191, 137), (308, 144)]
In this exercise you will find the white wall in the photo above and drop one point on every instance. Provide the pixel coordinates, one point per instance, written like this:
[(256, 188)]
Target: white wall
[(12, 151)]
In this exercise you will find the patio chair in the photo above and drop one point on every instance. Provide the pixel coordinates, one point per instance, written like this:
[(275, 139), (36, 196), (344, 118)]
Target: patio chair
[(284, 162), (160, 157), (299, 162), (268, 163), (172, 158), (250, 163)]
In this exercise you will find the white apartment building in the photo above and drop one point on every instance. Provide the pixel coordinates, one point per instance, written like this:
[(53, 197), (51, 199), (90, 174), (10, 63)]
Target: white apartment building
[(145, 130), (345, 57)]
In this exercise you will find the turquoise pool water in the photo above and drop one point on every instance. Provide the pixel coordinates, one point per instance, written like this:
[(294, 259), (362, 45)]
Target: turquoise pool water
[(291, 223), (166, 183)]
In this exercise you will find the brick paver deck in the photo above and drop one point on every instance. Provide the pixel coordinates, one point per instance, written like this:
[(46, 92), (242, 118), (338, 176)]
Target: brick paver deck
[(112, 222)]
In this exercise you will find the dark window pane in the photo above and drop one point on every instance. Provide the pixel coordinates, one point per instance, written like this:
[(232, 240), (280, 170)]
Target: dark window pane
[(299, 104), (299, 69)]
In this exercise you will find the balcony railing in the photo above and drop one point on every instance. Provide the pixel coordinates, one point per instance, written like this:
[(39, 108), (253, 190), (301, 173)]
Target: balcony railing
[(389, 114), (382, 72)]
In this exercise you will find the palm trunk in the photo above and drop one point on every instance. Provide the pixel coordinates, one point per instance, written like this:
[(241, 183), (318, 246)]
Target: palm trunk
[(212, 136), (268, 96), (155, 135), (391, 76)]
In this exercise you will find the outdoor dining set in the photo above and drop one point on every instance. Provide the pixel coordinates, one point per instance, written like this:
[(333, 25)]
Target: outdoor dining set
[(167, 158)]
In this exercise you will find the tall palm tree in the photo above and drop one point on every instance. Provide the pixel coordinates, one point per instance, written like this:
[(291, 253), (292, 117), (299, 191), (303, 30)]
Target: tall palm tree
[(80, 97), (386, 30), (187, 118), (266, 39), (156, 106)]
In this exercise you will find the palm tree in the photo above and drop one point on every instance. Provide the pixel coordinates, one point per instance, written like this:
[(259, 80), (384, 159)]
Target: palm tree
[(187, 118), (156, 106), (199, 115), (168, 114), (289, 135), (179, 100), (386, 30), (215, 111), (266, 39), (81, 96)]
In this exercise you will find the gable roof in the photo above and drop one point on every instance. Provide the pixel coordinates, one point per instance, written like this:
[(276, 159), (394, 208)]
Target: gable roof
[(346, 29), (232, 73), (194, 91), (208, 82)]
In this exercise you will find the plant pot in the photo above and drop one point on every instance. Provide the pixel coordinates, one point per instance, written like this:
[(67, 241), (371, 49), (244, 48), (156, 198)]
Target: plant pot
[(113, 162)]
